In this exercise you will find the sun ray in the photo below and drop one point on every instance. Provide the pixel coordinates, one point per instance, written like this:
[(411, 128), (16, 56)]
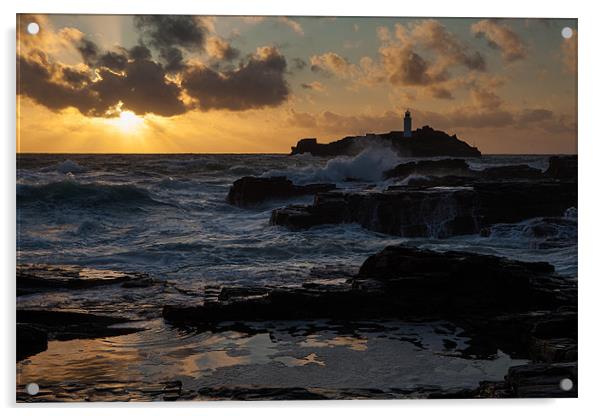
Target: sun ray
[(127, 122)]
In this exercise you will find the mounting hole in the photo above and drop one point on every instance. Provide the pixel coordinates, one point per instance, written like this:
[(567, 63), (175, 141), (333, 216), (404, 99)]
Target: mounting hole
[(32, 389), (33, 28), (567, 32), (566, 384)]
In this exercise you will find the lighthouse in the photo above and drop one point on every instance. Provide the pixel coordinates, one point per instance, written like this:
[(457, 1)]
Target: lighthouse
[(407, 125)]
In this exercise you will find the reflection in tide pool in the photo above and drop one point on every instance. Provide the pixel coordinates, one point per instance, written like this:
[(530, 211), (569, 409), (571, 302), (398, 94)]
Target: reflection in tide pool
[(383, 355)]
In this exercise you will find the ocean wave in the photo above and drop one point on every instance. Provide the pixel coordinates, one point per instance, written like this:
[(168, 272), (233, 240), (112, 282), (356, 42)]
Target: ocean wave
[(367, 166), (538, 233), (83, 194), (66, 166)]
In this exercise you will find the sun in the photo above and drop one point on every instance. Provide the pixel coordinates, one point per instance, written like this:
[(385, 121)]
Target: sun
[(127, 122)]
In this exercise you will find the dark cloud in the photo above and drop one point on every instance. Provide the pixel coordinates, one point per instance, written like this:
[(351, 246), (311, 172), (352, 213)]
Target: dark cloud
[(299, 63), (94, 57), (173, 59), (74, 76), (142, 89), (155, 76), (88, 50), (257, 83), (36, 78), (163, 31), (113, 60), (220, 49), (140, 52)]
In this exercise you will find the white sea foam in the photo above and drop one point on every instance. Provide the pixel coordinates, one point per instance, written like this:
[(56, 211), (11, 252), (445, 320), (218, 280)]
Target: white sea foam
[(66, 166), (367, 166)]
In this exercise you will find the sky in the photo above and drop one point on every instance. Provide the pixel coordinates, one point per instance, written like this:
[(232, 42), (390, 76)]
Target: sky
[(242, 84)]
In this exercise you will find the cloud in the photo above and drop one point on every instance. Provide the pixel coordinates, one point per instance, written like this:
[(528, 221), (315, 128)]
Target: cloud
[(534, 115), (257, 83), (404, 55), (140, 52), (106, 82), (287, 21), (140, 85), (165, 31), (142, 88), (293, 24), (220, 49), (172, 59), (441, 93), (331, 63), (299, 63), (405, 67), (315, 85), (332, 123), (502, 37), (432, 35), (484, 98), (420, 55), (37, 79)]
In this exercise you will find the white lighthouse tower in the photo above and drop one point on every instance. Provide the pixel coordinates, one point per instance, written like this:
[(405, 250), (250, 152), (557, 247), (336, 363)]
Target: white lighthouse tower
[(407, 125)]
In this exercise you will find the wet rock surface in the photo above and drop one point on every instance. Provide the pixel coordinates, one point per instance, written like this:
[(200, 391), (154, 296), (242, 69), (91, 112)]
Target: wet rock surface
[(444, 167), (250, 190), (434, 170), (106, 391), (35, 278), (36, 327), (433, 212), (403, 282), (562, 167), (30, 340), (520, 307)]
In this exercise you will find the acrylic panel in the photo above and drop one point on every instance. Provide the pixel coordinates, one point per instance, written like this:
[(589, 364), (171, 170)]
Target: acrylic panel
[(295, 208)]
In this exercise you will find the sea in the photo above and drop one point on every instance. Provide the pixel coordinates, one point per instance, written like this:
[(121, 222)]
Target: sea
[(166, 215)]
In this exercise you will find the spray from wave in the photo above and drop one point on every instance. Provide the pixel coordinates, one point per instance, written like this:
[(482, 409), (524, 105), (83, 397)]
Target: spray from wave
[(66, 166), (367, 166)]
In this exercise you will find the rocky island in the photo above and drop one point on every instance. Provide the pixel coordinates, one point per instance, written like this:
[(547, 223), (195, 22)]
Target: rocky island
[(422, 142)]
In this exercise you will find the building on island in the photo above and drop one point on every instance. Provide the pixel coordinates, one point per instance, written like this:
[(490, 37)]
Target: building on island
[(407, 125)]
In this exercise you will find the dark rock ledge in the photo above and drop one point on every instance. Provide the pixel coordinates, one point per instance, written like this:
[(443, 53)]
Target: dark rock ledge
[(250, 190), (560, 168), (34, 278), (36, 327), (433, 212), (522, 308)]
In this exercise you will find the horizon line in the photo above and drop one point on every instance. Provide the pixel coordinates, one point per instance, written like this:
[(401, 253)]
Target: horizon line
[(260, 153)]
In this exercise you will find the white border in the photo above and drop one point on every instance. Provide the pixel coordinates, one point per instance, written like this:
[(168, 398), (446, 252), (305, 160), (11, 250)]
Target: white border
[(590, 154)]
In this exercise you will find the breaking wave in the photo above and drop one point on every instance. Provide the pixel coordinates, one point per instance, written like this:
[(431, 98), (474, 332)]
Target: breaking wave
[(66, 166), (89, 194), (367, 166)]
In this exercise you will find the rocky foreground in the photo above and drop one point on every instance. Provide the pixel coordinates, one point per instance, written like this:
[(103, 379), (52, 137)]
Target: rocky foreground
[(522, 308)]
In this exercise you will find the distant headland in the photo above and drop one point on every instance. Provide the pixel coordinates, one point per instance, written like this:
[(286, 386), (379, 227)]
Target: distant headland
[(422, 142)]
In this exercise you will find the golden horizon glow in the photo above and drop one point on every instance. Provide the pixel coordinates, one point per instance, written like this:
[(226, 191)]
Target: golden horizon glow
[(127, 122), (335, 78)]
